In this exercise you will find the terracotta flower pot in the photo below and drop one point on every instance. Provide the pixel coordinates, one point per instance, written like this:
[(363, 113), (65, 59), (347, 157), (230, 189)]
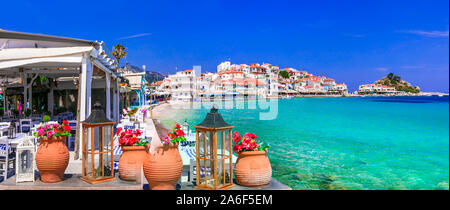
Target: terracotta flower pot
[(253, 169), (163, 168), (52, 158), (131, 161)]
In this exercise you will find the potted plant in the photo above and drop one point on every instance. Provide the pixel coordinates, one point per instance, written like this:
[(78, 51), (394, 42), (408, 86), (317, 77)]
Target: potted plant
[(163, 168), (131, 113), (52, 156), (27, 112), (134, 150), (252, 167), (46, 118)]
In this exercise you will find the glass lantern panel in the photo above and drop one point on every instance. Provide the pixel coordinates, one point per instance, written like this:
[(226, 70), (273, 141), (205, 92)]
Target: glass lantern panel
[(226, 142), (209, 144), (25, 161), (107, 164), (88, 164), (87, 139), (220, 146), (98, 166), (210, 170), (107, 141), (201, 143), (227, 173), (220, 173), (97, 138), (201, 166)]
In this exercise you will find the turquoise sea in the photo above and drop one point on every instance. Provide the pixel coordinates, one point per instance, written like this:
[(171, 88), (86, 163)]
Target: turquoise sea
[(349, 143)]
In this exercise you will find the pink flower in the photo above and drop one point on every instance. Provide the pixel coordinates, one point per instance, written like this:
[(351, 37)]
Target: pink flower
[(41, 132), (50, 133), (166, 140)]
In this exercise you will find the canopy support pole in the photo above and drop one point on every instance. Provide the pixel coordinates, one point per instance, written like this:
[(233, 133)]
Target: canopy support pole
[(108, 95)]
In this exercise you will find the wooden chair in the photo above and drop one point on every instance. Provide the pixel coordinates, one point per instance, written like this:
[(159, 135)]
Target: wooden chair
[(6, 159)]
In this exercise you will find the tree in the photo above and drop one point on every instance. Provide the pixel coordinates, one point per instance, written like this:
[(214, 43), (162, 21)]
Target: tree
[(119, 52), (397, 78), (284, 74), (390, 75)]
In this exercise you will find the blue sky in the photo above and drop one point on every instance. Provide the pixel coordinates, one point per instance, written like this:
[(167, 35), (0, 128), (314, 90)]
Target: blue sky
[(354, 42)]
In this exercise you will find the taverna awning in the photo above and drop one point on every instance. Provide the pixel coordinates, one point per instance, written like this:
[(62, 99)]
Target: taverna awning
[(28, 56)]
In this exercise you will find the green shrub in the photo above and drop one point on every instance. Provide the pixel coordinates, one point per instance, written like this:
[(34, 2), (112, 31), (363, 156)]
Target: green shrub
[(46, 118), (27, 112)]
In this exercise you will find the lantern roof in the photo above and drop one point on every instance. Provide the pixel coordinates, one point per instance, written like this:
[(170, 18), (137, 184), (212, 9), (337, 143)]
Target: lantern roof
[(97, 115), (213, 120)]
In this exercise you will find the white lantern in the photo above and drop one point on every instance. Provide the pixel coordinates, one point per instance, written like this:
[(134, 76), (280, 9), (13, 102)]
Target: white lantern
[(185, 127), (25, 160)]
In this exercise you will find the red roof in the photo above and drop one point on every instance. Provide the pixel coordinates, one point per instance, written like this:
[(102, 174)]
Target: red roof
[(157, 83)]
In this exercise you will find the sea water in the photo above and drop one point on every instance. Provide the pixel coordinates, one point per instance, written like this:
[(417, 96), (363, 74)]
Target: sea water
[(348, 143)]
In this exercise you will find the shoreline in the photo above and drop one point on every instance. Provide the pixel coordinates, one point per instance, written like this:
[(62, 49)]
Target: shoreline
[(162, 109)]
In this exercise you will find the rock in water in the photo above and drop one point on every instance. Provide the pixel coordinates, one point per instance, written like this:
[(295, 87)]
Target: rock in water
[(443, 185)]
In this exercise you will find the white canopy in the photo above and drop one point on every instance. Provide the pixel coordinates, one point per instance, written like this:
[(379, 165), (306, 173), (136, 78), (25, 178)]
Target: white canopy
[(13, 57)]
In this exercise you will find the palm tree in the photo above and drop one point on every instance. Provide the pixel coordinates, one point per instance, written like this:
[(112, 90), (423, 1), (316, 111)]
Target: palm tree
[(119, 52)]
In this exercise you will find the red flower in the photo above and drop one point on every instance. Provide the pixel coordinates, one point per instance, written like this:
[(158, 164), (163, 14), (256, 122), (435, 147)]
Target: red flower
[(237, 148), (118, 131), (250, 136), (65, 122), (138, 132), (171, 135), (57, 130), (179, 133), (177, 126), (236, 136), (67, 128)]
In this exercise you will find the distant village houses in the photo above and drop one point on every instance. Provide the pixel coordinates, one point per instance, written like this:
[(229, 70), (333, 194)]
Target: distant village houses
[(242, 81)]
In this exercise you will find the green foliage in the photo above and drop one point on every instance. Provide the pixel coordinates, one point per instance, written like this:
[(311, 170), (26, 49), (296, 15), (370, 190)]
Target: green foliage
[(133, 111), (43, 79), (390, 75), (15, 112), (284, 74), (263, 147), (119, 52), (408, 89), (27, 112), (396, 81), (46, 118)]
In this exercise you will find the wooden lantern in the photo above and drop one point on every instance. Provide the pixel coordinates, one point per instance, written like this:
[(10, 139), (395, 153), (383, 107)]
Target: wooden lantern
[(214, 166), (97, 147)]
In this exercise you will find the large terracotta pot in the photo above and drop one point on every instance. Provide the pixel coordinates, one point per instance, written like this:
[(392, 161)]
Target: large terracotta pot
[(163, 168), (131, 161), (253, 169), (52, 158)]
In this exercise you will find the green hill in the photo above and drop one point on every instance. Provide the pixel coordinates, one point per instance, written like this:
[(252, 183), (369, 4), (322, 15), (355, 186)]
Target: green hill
[(398, 83)]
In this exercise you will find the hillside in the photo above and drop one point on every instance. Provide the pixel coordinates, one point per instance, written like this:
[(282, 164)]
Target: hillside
[(152, 76), (397, 82)]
